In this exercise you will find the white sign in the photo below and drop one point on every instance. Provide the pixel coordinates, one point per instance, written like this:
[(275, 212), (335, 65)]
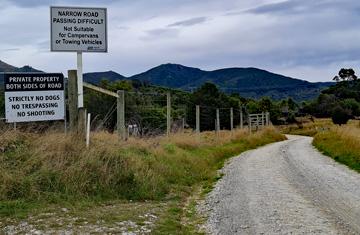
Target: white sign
[(78, 29), (33, 97)]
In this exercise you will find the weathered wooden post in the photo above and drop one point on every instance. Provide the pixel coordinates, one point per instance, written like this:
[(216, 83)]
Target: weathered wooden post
[(241, 119), (218, 120), (168, 114), (262, 120), (249, 123), (77, 115), (88, 122), (231, 119), (267, 118), (197, 119), (72, 100), (81, 129), (121, 115)]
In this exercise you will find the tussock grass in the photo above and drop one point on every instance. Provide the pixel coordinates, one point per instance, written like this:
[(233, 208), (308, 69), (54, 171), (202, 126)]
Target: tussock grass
[(53, 167), (342, 144), (308, 128), (312, 128)]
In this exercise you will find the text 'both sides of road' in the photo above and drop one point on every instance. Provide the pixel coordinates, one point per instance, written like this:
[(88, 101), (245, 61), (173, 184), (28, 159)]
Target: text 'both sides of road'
[(34, 97)]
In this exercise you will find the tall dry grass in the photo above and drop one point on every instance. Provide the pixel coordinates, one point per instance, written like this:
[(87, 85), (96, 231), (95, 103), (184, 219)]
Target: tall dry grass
[(342, 143), (309, 128), (52, 166)]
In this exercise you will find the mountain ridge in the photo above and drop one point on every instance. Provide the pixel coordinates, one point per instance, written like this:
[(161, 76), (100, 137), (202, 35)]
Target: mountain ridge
[(249, 82), (4, 67)]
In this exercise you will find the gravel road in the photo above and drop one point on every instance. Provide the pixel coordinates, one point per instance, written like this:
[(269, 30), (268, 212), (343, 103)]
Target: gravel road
[(285, 188)]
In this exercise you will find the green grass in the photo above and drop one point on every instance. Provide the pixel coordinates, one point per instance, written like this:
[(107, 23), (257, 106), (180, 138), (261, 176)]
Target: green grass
[(342, 144), (43, 171), (17, 208)]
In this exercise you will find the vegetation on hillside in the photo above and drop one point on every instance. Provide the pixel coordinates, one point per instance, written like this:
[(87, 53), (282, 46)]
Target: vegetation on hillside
[(146, 106), (341, 101), (248, 82)]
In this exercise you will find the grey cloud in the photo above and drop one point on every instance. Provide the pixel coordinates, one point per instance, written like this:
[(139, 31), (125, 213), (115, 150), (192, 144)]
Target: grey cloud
[(10, 49), (36, 3), (161, 33), (120, 27), (43, 46), (289, 7), (189, 22), (286, 35), (285, 6)]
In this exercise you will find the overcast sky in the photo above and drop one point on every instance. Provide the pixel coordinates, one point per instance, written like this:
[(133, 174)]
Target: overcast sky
[(307, 39)]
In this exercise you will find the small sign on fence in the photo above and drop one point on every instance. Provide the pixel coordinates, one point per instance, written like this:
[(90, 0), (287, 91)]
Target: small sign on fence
[(33, 97)]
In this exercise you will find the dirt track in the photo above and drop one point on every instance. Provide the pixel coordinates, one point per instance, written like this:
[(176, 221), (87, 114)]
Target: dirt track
[(285, 188)]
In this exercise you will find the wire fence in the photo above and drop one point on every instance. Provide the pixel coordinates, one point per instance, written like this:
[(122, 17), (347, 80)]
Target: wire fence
[(150, 113), (146, 113)]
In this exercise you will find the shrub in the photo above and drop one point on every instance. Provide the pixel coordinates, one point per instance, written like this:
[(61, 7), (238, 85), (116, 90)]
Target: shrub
[(340, 115)]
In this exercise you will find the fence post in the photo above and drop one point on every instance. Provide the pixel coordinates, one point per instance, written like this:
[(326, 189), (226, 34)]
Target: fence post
[(81, 127), (197, 119), (88, 130), (168, 114), (241, 119), (231, 118), (72, 100), (121, 114), (249, 124), (262, 120), (267, 118), (217, 120), (183, 124)]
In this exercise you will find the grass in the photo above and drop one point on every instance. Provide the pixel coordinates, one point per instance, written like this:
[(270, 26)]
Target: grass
[(342, 144), (38, 170), (308, 128)]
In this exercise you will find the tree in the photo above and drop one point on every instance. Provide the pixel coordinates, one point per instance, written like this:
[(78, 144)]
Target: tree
[(209, 98), (265, 104), (292, 105), (352, 105), (340, 115), (346, 75)]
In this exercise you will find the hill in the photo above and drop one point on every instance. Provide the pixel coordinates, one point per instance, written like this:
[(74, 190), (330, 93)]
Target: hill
[(248, 82), (4, 67), (96, 77), (171, 75), (7, 68)]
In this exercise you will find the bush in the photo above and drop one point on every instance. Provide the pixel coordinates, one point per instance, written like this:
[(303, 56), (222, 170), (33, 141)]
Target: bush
[(340, 115)]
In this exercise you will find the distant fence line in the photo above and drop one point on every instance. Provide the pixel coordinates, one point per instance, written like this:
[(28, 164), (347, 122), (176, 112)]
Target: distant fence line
[(133, 121)]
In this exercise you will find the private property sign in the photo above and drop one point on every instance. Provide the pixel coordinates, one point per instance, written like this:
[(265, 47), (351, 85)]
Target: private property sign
[(78, 29), (34, 97)]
